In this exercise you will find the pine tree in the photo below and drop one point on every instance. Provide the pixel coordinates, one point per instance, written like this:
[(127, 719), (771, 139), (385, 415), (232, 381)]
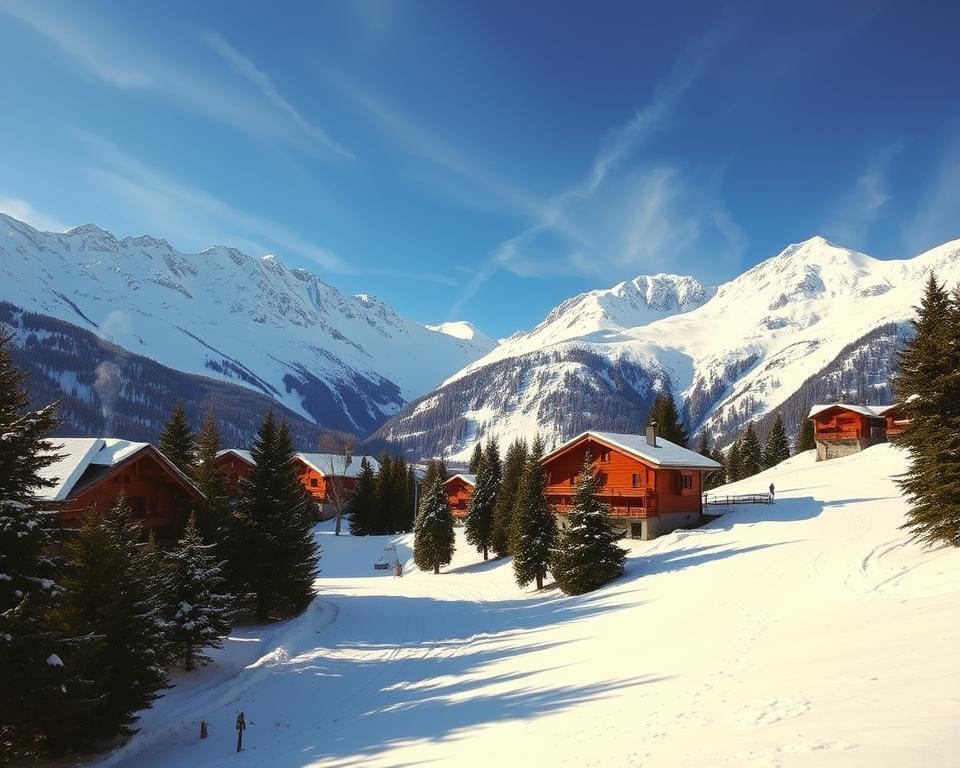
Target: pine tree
[(777, 448), (436, 468), (513, 466), (433, 541), (711, 479), (400, 519), (275, 555), (534, 527), (928, 385), (201, 610), (385, 500), (479, 524), (587, 555), (32, 687), (214, 510), (475, 458), (734, 462), (751, 455), (668, 422), (805, 438), (111, 586), (178, 442), (362, 510), (491, 453), (410, 500)]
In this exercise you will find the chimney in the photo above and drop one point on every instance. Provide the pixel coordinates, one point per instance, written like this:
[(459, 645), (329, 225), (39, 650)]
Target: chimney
[(652, 434)]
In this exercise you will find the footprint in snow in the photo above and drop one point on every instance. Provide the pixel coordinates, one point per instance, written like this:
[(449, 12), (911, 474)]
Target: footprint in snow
[(769, 711)]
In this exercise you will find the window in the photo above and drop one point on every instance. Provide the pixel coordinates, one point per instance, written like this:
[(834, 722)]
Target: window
[(605, 456), (314, 482), (686, 481), (636, 479)]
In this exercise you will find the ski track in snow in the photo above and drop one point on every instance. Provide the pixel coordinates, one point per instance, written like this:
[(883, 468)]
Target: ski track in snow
[(807, 633)]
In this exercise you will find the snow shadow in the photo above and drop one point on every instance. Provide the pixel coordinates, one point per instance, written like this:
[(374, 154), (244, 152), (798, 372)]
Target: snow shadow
[(783, 510), (399, 669), (689, 557)]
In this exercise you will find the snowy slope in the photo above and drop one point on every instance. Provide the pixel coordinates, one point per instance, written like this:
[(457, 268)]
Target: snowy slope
[(730, 354), (227, 315), (807, 633)]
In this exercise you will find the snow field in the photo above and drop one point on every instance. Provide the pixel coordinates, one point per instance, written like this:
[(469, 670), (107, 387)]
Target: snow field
[(806, 633)]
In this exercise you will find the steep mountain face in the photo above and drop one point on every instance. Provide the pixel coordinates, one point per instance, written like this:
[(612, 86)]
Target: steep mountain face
[(343, 362), (816, 320)]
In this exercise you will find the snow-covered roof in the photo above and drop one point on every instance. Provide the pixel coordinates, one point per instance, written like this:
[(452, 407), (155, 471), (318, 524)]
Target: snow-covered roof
[(325, 462), (872, 411), (466, 477), (75, 453), (320, 462), (245, 455), (78, 454), (664, 454)]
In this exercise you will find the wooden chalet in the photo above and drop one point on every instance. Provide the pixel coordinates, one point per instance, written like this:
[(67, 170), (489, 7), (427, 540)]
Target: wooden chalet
[(459, 490), (651, 485), (94, 471), (324, 475), (842, 428)]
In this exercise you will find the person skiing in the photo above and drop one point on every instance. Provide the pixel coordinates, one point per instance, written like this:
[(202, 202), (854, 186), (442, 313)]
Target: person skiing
[(241, 727), (772, 490)]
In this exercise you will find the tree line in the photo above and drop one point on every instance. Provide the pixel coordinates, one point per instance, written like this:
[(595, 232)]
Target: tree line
[(91, 620), (509, 514)]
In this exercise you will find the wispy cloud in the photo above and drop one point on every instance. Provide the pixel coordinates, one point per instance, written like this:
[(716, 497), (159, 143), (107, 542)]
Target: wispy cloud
[(120, 57), (937, 216), (244, 67), (24, 211), (860, 207), (468, 180), (192, 215), (624, 213)]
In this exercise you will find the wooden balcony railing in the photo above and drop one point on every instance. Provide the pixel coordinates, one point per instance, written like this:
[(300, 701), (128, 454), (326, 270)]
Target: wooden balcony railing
[(635, 502)]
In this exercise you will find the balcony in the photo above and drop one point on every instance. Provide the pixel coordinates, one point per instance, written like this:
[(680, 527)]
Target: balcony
[(626, 502)]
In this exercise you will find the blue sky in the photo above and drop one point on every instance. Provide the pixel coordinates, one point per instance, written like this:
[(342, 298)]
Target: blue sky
[(487, 160)]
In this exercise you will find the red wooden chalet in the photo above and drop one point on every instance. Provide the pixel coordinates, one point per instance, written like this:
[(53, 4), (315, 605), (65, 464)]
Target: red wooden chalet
[(651, 485), (459, 490), (324, 475), (843, 428), (94, 471)]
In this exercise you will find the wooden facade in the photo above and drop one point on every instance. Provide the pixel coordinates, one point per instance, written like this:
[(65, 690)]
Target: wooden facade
[(160, 497), (636, 488), (841, 429), (459, 490), (313, 472)]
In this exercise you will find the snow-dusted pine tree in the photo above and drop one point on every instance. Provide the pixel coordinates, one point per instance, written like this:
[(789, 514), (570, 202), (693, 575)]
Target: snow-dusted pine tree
[(667, 419), (201, 611), (479, 524), (805, 439), (512, 473), (475, 458), (751, 454), (33, 680), (111, 584), (587, 555), (534, 531), (273, 556), (214, 512), (928, 385), (178, 442), (777, 448), (433, 541), (362, 508), (734, 463)]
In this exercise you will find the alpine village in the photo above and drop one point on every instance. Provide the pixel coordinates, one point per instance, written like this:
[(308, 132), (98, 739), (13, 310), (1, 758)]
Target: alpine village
[(247, 519)]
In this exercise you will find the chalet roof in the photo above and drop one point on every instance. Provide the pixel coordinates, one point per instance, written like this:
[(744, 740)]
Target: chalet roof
[(319, 462), (870, 411), (324, 462), (245, 455), (664, 454), (466, 477), (86, 459)]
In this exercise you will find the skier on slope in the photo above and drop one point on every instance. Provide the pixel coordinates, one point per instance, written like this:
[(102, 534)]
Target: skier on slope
[(772, 490)]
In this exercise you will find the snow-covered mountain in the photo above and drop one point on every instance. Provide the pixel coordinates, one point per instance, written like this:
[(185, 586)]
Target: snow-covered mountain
[(345, 362), (730, 354)]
